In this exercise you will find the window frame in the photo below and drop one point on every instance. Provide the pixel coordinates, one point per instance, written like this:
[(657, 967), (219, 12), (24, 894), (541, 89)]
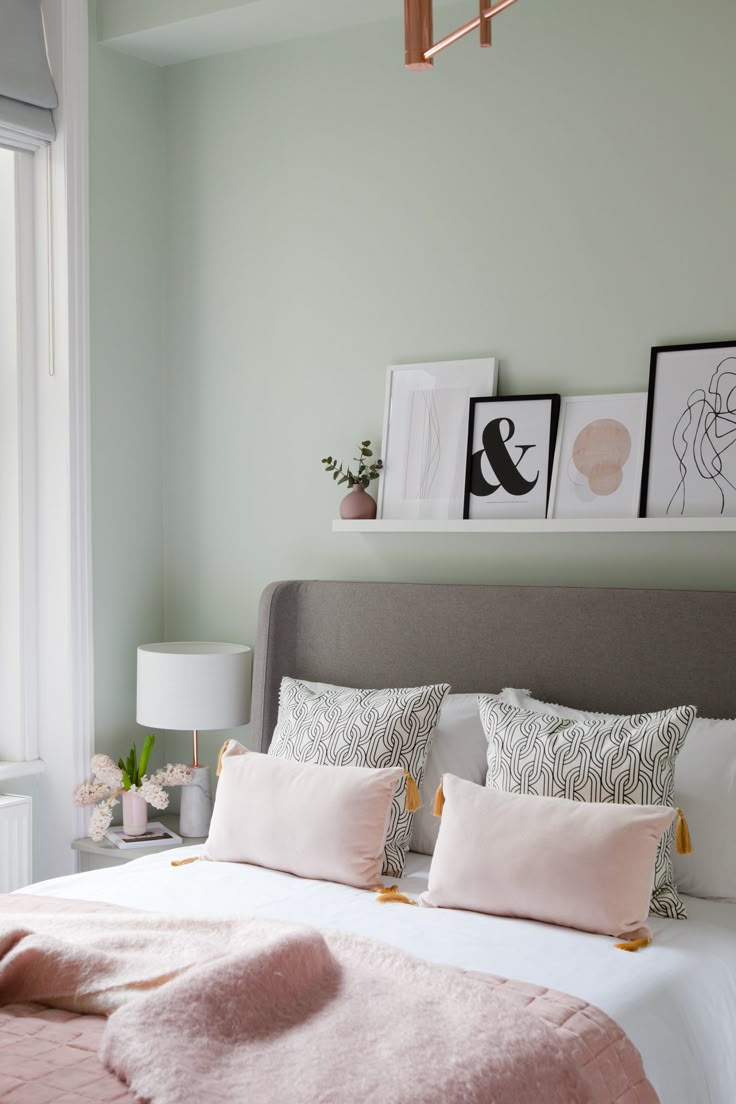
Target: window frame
[(54, 454), (20, 737)]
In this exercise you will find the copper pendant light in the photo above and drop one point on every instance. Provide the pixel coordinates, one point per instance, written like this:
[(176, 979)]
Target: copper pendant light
[(419, 49)]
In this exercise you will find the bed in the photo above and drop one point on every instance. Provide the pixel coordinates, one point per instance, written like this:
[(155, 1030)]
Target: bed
[(608, 650)]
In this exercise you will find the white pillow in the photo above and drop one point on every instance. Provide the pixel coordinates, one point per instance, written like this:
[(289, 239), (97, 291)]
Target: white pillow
[(459, 748), (705, 789)]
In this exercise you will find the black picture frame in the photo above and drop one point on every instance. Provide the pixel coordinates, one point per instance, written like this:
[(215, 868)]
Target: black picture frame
[(657, 351), (498, 400)]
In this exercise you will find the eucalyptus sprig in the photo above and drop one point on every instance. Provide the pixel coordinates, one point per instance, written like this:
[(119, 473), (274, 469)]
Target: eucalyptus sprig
[(366, 472)]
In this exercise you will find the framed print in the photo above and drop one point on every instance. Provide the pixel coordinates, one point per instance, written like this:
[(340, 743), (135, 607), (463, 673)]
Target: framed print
[(425, 426), (509, 456), (599, 456), (690, 450)]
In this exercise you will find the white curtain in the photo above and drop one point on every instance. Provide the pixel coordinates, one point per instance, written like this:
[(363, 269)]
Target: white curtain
[(27, 93)]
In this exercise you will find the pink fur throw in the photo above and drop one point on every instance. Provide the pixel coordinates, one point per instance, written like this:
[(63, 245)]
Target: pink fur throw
[(272, 1012)]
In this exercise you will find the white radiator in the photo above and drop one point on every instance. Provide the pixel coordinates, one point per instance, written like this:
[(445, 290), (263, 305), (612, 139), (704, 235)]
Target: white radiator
[(15, 842)]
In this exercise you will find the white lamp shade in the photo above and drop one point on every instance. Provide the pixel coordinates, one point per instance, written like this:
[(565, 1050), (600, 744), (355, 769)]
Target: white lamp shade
[(193, 685)]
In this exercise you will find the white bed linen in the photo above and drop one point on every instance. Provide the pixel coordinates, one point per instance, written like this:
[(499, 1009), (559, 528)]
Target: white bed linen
[(676, 1000)]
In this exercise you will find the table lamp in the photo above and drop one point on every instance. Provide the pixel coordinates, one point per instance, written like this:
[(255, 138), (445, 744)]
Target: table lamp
[(196, 686)]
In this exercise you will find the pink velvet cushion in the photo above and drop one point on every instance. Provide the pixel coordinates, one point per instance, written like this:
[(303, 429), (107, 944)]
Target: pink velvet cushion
[(580, 865), (314, 821)]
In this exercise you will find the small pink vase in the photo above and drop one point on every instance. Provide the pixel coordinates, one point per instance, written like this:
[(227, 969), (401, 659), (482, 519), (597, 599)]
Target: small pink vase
[(357, 505), (135, 813)]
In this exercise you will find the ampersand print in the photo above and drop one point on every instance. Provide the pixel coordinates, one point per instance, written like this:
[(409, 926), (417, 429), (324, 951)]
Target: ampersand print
[(505, 466)]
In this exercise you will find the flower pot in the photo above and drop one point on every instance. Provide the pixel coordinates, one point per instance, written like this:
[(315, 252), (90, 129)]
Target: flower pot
[(135, 813), (357, 505)]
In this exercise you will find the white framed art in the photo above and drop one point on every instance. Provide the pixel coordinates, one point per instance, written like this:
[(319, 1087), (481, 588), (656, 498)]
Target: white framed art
[(599, 456), (509, 455), (425, 426), (690, 451)]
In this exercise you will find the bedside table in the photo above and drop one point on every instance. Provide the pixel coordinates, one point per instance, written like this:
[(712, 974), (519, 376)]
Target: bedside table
[(98, 856)]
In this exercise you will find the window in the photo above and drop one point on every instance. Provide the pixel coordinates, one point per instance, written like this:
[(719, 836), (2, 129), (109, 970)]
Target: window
[(46, 702), (10, 720), (23, 333)]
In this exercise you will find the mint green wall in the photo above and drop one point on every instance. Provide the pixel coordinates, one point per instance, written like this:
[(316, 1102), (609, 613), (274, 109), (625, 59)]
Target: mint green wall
[(127, 249), (563, 201)]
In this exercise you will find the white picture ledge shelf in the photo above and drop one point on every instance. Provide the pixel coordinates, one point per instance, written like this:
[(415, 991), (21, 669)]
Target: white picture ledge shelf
[(544, 525)]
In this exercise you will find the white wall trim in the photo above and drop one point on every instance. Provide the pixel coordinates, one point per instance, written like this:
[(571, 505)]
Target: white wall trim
[(74, 134), (65, 572), (29, 259)]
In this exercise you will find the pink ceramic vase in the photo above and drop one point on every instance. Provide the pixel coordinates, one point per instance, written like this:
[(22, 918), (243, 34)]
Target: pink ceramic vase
[(135, 813), (357, 505)]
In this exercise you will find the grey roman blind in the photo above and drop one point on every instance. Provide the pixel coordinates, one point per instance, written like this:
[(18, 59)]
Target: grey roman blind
[(27, 93)]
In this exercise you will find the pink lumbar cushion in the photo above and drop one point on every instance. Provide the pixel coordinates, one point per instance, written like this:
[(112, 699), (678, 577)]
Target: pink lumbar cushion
[(580, 865), (318, 822)]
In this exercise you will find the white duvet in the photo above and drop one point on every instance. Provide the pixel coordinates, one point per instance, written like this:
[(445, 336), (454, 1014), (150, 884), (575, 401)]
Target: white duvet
[(676, 999)]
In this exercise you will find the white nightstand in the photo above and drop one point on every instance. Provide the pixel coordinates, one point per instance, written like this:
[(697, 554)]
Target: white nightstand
[(98, 856)]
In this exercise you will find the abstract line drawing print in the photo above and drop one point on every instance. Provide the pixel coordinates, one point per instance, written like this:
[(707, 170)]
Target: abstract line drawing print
[(425, 426), (424, 439), (434, 417), (702, 441), (432, 445), (599, 454)]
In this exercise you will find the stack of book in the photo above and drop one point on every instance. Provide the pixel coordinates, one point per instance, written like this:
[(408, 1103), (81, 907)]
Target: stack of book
[(155, 835)]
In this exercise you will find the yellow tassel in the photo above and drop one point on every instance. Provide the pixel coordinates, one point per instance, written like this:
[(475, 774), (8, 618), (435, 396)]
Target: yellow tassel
[(399, 898), (633, 945), (392, 893), (439, 801), (185, 862), (683, 843), (223, 749), (385, 894), (413, 799)]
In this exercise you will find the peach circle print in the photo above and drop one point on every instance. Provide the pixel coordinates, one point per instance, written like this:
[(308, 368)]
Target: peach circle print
[(600, 451)]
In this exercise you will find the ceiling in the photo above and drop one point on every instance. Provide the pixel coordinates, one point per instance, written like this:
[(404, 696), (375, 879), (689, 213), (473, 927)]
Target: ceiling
[(168, 31)]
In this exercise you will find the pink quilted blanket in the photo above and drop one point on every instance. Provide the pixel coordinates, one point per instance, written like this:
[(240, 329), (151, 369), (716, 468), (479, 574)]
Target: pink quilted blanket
[(270, 1012)]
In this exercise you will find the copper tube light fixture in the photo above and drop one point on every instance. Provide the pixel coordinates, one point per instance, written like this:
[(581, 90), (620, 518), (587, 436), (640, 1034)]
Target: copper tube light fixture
[(419, 49), (418, 38), (485, 26)]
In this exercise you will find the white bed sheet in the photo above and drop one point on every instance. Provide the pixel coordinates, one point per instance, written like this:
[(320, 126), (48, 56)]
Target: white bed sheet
[(676, 1000)]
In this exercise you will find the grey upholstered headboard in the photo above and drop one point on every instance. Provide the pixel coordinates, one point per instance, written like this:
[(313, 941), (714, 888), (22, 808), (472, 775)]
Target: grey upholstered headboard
[(613, 650)]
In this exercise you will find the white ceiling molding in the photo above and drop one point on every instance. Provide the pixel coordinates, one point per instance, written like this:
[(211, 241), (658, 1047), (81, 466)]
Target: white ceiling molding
[(168, 31)]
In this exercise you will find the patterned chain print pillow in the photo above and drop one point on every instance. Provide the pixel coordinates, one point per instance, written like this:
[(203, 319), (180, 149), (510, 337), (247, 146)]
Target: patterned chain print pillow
[(362, 728), (624, 760)]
